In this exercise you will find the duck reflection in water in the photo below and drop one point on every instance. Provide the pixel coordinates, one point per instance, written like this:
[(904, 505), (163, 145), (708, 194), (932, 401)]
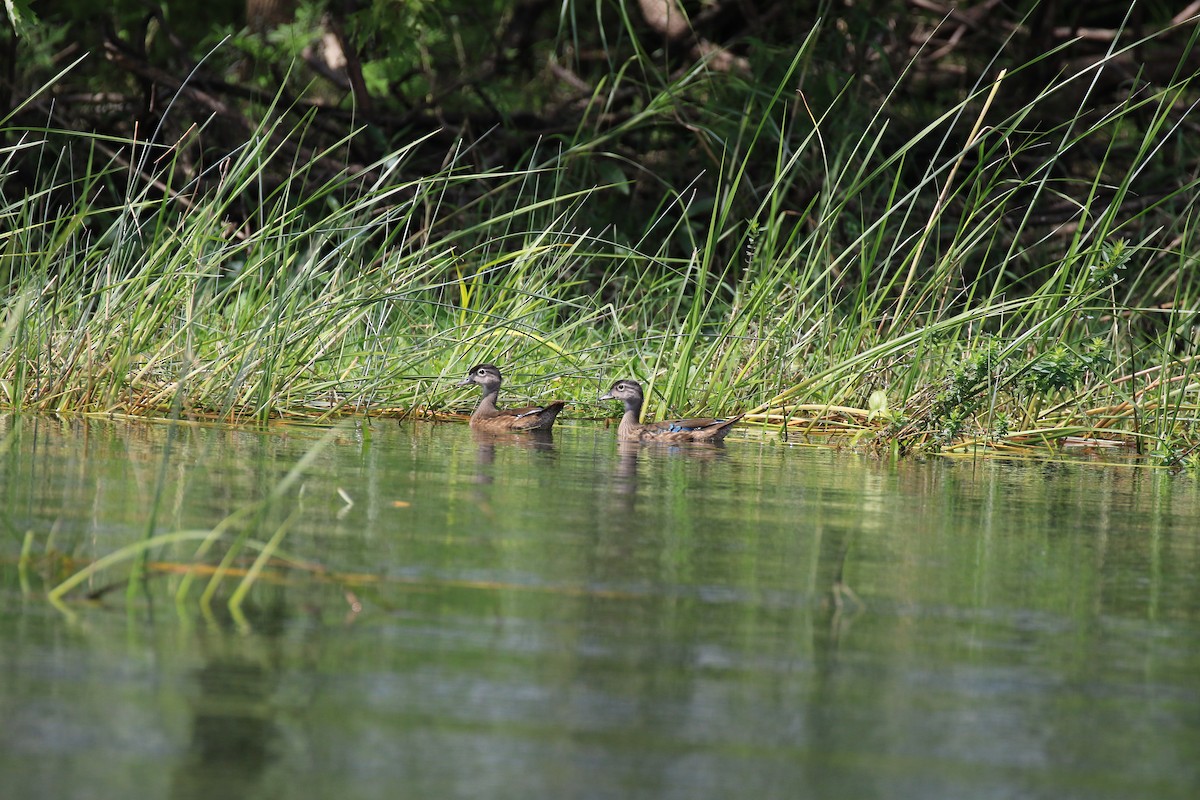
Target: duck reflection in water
[(487, 441), (629, 454)]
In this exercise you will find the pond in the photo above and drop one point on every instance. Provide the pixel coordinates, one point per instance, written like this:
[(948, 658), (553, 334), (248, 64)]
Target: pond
[(465, 618)]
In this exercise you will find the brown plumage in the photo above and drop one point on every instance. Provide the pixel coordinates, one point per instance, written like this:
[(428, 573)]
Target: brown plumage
[(489, 418), (700, 429)]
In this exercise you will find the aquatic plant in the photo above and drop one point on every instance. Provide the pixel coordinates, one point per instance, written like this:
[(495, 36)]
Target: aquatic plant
[(993, 296)]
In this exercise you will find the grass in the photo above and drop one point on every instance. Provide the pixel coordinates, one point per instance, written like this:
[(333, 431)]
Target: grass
[(910, 293), (916, 300)]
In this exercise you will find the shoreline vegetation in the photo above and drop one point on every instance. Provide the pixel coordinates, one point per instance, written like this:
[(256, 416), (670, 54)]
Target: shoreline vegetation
[(980, 278)]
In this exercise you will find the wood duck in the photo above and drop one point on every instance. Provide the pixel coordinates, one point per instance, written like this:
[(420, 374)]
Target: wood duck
[(703, 429), (489, 418)]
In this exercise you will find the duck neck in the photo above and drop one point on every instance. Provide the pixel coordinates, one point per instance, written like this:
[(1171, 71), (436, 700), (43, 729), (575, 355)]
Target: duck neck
[(487, 406), (631, 420)]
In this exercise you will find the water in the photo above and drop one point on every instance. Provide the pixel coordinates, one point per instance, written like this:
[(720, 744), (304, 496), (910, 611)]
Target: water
[(571, 619)]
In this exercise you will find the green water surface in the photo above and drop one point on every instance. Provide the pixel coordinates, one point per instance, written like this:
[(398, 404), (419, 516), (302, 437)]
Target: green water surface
[(573, 619)]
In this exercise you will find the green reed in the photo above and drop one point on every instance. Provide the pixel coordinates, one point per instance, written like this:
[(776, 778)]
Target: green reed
[(918, 273)]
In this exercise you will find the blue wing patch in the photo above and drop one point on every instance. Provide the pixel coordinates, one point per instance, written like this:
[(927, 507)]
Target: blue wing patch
[(676, 427)]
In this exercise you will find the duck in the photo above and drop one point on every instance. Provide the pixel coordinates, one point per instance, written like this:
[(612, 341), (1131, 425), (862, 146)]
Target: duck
[(498, 420), (702, 429)]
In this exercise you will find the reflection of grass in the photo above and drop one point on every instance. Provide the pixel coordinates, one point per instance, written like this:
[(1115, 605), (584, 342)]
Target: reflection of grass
[(279, 568), (233, 534), (917, 271)]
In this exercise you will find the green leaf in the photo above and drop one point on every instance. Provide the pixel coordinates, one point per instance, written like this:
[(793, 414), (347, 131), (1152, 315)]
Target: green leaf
[(877, 405), (20, 15)]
